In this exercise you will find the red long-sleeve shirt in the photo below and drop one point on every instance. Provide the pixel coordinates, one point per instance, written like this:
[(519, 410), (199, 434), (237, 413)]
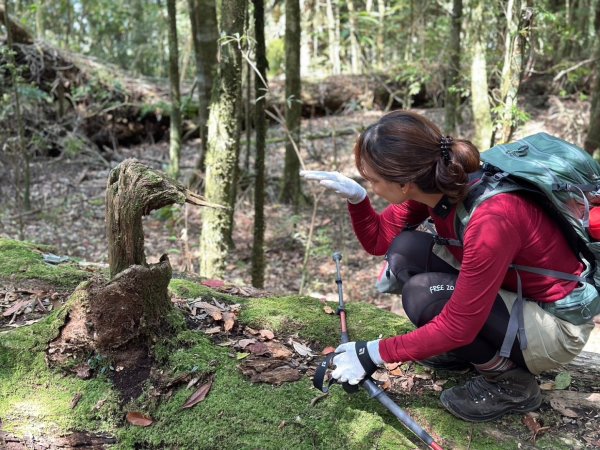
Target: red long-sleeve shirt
[(504, 229)]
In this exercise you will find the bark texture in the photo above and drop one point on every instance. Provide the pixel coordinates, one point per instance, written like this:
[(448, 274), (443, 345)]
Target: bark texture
[(175, 130), (453, 76), (291, 192), (223, 145)]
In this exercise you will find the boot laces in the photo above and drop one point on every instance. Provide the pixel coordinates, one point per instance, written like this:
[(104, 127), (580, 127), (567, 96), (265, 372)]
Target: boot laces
[(480, 389)]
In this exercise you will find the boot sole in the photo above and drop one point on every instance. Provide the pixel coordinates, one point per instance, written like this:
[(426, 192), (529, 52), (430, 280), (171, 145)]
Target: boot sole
[(496, 415)]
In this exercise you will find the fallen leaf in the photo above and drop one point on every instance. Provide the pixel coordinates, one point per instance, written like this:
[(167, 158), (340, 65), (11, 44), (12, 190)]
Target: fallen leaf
[(213, 330), (243, 343), (213, 283), (75, 400), (392, 366), (328, 310), (258, 349), (562, 380), (302, 349), (241, 355), (199, 395), (192, 382), (212, 310), (279, 351), (328, 350), (281, 425), (535, 426), (251, 331), (139, 419), (562, 408), (267, 334), (99, 404), (397, 372), (549, 386), (16, 308), (229, 321)]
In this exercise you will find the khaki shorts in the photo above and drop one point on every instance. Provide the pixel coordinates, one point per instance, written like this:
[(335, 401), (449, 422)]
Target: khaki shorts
[(551, 341)]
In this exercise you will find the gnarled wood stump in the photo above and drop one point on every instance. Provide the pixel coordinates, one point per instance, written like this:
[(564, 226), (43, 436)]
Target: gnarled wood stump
[(111, 323)]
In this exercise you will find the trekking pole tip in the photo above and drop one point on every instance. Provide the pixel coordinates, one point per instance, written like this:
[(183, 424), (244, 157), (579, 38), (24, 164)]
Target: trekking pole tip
[(337, 256)]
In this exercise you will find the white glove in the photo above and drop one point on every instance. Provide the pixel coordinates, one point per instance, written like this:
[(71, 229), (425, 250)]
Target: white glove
[(348, 366), (345, 187)]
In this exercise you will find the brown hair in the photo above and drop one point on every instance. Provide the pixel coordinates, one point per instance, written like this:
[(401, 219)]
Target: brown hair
[(404, 147)]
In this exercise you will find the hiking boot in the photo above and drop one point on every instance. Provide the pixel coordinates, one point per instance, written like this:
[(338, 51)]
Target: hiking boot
[(482, 399), (446, 361)]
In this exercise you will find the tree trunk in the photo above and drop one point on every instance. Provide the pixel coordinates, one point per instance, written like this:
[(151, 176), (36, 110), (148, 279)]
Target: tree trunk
[(40, 31), (452, 102), (380, 38), (223, 145), (18, 33), (133, 191), (175, 130), (291, 192), (260, 123), (592, 140), (203, 17), (518, 22), (334, 42), (118, 319), (479, 86), (354, 46)]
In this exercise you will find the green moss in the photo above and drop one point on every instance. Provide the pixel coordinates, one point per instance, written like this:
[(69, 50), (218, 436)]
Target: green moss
[(305, 316), (191, 289), (24, 261), (35, 400)]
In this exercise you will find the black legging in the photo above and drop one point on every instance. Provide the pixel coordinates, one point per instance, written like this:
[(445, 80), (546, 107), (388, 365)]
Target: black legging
[(418, 269)]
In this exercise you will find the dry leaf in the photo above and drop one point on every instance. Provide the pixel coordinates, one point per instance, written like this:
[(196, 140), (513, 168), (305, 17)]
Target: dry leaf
[(241, 355), (199, 395), (549, 386), (212, 310), (243, 343), (213, 283), (279, 351), (229, 321), (16, 308), (397, 372), (535, 426), (301, 349), (139, 419), (328, 350), (392, 366), (267, 334), (562, 408), (213, 330), (258, 348), (192, 382), (75, 400), (328, 310), (251, 331)]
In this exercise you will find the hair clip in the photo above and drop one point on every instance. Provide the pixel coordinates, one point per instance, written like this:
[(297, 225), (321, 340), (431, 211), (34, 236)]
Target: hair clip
[(446, 145)]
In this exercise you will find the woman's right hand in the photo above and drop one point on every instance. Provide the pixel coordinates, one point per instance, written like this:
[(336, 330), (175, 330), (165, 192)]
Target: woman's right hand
[(342, 185)]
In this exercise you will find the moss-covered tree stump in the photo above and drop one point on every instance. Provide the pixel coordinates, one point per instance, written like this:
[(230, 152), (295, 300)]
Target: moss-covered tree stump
[(111, 323)]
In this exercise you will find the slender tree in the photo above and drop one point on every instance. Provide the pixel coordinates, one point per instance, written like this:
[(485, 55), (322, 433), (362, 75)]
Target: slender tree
[(518, 21), (479, 84), (175, 130), (291, 191), (223, 143), (203, 18), (260, 123), (453, 76), (592, 140), (334, 39), (353, 32)]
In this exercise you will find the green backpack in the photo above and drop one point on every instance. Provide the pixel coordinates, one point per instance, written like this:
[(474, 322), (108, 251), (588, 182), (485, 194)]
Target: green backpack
[(566, 181)]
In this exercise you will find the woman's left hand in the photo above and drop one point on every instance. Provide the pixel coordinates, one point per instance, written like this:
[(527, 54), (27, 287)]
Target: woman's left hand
[(353, 362)]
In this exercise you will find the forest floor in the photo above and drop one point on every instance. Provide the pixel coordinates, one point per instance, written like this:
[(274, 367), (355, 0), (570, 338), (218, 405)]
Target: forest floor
[(68, 213)]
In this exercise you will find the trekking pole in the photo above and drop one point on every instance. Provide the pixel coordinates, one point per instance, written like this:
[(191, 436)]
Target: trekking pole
[(370, 386)]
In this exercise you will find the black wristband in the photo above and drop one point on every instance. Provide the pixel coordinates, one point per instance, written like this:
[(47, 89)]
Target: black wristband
[(364, 358)]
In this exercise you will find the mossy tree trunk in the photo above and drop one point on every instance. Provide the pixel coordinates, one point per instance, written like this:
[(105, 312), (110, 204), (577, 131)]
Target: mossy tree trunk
[(518, 22), (203, 17), (592, 140), (260, 123), (479, 85), (452, 102), (223, 145), (175, 130), (291, 191)]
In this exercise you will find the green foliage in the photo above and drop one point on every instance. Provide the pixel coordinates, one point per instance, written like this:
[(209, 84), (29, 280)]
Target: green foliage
[(276, 56)]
